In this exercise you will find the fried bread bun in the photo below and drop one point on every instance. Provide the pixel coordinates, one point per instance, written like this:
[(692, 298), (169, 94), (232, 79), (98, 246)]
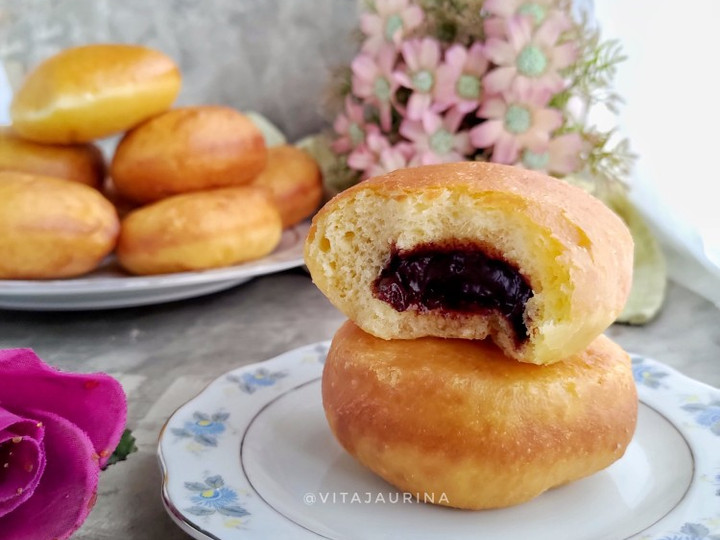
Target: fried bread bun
[(198, 231), (82, 163), (188, 149), (52, 228), (294, 179), (92, 91), (471, 250), (456, 417)]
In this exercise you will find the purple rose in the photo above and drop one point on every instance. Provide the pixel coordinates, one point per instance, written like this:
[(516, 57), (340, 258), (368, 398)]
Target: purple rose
[(56, 431)]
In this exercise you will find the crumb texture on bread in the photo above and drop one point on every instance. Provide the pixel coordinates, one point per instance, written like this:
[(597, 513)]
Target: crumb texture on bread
[(456, 417), (575, 253)]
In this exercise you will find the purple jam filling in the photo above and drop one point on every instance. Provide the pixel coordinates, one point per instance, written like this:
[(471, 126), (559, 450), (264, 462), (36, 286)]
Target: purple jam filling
[(456, 279)]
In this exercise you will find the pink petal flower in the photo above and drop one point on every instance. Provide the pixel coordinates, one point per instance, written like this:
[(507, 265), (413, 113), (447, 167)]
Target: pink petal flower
[(66, 492), (560, 156), (555, 24), (350, 127), (530, 50), (506, 150), (547, 119), (499, 79), (459, 79), (486, 134), (435, 138), (27, 464), (499, 51), (62, 427), (417, 105), (95, 403), (517, 120), (493, 108), (502, 8), (394, 20)]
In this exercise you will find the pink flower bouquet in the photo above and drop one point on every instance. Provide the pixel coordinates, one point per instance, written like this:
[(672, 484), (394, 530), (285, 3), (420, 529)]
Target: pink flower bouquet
[(507, 81), (56, 432)]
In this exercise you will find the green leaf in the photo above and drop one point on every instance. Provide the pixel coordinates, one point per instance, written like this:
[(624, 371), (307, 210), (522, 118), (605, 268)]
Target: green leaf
[(233, 511), (200, 511), (125, 447)]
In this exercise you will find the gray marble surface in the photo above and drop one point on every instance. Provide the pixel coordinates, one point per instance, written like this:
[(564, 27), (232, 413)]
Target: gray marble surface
[(165, 354)]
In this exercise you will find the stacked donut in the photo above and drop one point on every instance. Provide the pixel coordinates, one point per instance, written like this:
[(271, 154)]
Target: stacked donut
[(190, 188), (473, 371)]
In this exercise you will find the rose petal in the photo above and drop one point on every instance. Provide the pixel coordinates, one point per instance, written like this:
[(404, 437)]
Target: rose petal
[(66, 491), (22, 459), (95, 402)]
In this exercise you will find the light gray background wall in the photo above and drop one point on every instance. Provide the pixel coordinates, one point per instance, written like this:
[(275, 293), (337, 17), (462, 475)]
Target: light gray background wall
[(272, 56)]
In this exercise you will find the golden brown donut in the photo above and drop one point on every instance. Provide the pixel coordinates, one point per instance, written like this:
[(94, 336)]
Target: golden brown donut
[(52, 228), (470, 250), (88, 92), (197, 231), (456, 417), (294, 179), (188, 149), (82, 163)]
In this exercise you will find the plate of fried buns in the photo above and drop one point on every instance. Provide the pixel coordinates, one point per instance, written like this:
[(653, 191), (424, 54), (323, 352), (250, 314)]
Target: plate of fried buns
[(192, 199), (471, 393)]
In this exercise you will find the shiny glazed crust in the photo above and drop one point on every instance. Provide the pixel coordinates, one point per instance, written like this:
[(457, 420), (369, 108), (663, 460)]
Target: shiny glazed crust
[(82, 163), (294, 179), (575, 253), (457, 417), (88, 92), (196, 231), (188, 149), (52, 228)]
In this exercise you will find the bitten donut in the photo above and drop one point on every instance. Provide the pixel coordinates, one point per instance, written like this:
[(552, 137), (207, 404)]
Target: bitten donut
[(188, 149), (470, 250), (52, 228), (82, 163), (197, 231), (294, 179), (88, 92), (459, 422)]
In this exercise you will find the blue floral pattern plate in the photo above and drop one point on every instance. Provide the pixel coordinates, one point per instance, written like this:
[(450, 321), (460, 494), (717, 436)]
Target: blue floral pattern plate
[(251, 457)]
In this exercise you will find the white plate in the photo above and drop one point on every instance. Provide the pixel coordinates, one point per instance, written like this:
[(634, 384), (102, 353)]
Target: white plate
[(251, 457), (110, 287)]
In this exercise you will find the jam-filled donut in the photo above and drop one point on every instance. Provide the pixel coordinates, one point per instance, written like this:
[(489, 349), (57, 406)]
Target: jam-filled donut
[(471, 250), (458, 423)]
